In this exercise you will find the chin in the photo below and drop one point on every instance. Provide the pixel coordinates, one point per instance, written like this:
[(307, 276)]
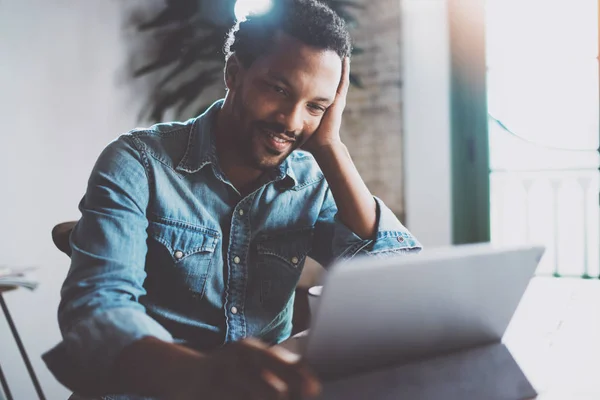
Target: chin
[(267, 163), (263, 160)]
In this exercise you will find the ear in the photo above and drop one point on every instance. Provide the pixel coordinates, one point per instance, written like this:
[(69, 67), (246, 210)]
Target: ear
[(234, 72)]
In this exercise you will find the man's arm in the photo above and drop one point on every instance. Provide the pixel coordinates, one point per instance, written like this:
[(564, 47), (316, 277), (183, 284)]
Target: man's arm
[(351, 220), (99, 313), (355, 203)]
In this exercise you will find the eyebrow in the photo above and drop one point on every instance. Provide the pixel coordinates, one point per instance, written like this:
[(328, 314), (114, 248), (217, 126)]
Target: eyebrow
[(283, 80)]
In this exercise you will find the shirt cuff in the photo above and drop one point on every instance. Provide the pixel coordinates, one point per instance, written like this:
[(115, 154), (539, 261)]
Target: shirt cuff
[(83, 361), (392, 237)]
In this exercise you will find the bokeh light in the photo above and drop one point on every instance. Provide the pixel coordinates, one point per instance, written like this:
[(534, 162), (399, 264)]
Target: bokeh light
[(243, 8)]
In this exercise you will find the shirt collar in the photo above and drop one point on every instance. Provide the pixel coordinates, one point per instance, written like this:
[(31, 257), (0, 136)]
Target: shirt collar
[(201, 149)]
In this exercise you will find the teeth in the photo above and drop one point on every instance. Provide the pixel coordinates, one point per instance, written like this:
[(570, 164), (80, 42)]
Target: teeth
[(277, 139)]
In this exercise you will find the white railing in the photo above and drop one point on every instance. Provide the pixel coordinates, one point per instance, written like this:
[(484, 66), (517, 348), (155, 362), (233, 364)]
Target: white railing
[(556, 208)]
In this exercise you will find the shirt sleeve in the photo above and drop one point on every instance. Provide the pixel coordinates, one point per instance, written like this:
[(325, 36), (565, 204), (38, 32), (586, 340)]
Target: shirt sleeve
[(99, 313), (334, 241)]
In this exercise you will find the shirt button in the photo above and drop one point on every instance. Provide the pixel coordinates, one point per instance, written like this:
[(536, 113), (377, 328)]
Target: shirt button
[(236, 260), (234, 310), (241, 212), (295, 260), (178, 254)]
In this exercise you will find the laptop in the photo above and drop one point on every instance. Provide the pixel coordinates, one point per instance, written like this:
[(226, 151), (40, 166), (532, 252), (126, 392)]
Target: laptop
[(375, 312)]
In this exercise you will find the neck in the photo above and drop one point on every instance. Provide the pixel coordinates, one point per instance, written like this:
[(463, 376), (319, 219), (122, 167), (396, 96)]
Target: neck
[(243, 177)]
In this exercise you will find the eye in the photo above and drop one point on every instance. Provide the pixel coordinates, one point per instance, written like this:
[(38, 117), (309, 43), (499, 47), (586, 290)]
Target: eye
[(316, 107), (279, 89)]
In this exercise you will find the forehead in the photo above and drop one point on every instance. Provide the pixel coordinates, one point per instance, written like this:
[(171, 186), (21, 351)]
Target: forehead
[(309, 67)]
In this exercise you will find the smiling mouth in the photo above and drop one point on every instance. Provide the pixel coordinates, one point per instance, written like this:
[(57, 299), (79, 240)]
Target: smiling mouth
[(280, 138), (276, 143)]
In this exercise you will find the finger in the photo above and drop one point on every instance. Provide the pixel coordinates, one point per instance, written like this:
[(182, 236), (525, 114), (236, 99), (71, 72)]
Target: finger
[(345, 81), (311, 385), (283, 363), (279, 389), (284, 354), (264, 386), (300, 380), (276, 353), (258, 381)]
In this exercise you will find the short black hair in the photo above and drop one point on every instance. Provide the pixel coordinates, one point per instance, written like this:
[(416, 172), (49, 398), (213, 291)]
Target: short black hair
[(310, 21)]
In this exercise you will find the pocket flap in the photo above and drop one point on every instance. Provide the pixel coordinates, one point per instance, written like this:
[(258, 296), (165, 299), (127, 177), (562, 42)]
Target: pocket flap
[(291, 246), (182, 241)]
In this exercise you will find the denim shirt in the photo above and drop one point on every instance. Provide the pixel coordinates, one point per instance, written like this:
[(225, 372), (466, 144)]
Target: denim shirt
[(167, 247)]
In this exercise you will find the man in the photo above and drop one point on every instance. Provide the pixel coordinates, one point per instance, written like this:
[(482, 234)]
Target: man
[(193, 235)]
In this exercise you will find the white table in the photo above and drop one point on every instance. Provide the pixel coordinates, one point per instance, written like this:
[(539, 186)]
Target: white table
[(555, 338)]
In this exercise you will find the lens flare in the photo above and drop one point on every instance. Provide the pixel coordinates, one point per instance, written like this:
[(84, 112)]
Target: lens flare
[(243, 8)]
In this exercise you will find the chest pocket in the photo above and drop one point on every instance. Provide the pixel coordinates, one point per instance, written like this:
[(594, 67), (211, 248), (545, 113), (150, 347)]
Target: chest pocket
[(280, 258), (180, 257)]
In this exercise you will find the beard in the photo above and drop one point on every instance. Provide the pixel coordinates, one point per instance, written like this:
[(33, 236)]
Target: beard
[(252, 136)]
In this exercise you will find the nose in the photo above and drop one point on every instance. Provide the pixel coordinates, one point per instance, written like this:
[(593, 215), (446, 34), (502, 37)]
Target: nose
[(291, 116)]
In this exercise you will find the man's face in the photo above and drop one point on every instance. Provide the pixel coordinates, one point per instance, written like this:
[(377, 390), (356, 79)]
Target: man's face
[(278, 102)]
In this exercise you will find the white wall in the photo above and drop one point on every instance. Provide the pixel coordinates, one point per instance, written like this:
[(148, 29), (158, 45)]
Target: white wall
[(59, 106), (426, 102)]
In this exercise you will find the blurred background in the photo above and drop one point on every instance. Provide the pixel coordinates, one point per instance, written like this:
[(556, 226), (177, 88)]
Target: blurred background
[(474, 120)]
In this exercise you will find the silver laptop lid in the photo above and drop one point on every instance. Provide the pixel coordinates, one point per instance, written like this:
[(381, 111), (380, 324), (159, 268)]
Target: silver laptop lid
[(378, 311)]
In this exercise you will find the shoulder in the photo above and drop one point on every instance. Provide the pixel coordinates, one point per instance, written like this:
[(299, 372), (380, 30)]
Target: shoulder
[(165, 142)]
